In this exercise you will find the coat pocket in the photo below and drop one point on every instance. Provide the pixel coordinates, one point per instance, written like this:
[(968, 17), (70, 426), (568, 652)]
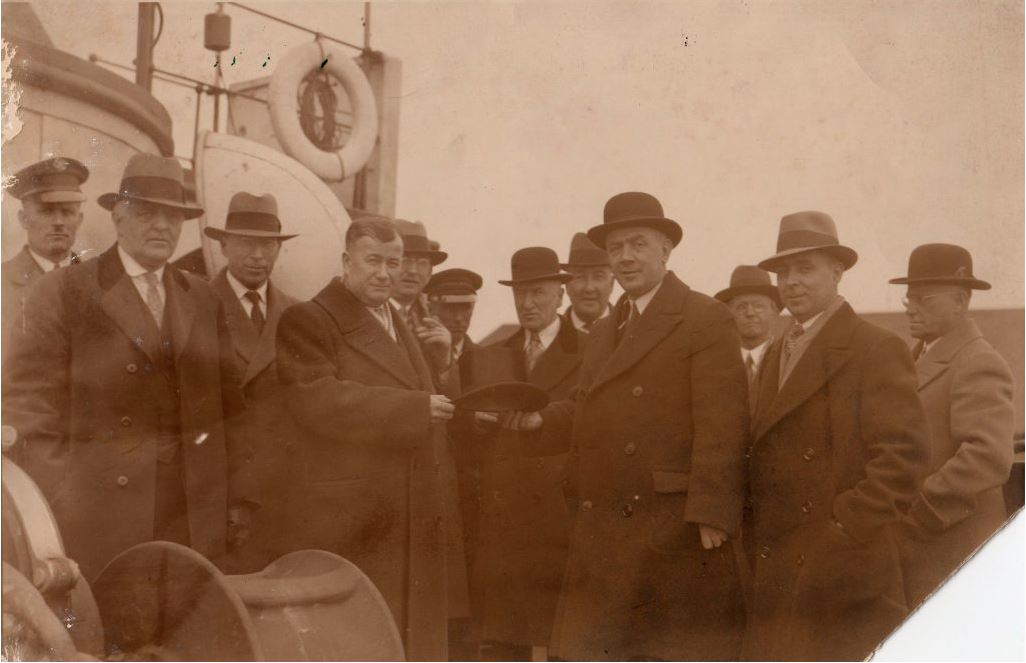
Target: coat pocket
[(670, 481)]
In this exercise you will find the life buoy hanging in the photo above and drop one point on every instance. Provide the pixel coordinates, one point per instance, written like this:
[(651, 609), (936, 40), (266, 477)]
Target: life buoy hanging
[(284, 104)]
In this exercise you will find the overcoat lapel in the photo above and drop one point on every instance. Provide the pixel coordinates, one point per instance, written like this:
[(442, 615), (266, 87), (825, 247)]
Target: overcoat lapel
[(416, 357), (559, 360), (938, 358), (263, 352), (26, 269), (244, 336), (123, 305), (181, 309)]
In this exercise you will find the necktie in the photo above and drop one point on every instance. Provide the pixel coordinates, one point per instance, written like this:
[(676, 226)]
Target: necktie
[(628, 318), (154, 301), (255, 314), (791, 342), (750, 365), (588, 326), (534, 351)]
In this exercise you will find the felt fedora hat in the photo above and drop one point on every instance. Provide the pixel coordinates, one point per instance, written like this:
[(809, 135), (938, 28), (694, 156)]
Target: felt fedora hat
[(416, 242), (250, 216), (749, 280), (535, 263), (152, 179), (802, 232), (584, 253), (633, 209), (54, 180), (454, 286), (493, 380), (941, 264)]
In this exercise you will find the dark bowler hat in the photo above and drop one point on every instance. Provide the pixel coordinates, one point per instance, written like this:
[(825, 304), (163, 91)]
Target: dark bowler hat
[(634, 208), (535, 263), (493, 381), (454, 286), (941, 264), (416, 242), (54, 180), (250, 216), (152, 179), (802, 232), (584, 253), (749, 280)]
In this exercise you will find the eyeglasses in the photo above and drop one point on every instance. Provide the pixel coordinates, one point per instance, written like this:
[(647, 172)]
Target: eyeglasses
[(917, 301), (410, 262)]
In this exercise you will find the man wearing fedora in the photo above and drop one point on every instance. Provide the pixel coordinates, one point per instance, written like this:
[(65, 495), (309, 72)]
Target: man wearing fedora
[(967, 390), (451, 296), (119, 383), (250, 241), (420, 257), (839, 443), (51, 213), (368, 463), (591, 286), (755, 303), (524, 520), (657, 428)]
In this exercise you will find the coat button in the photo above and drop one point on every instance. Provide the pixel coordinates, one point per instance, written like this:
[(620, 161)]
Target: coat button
[(765, 552), (637, 391), (800, 560), (627, 510), (131, 368), (122, 481), (809, 454), (586, 505), (126, 421), (540, 463), (630, 448), (748, 451), (807, 507)]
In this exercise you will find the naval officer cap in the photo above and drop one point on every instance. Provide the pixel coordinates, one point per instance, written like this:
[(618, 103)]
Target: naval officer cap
[(54, 180), (454, 286)]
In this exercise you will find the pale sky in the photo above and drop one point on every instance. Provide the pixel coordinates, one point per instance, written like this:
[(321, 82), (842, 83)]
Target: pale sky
[(902, 120)]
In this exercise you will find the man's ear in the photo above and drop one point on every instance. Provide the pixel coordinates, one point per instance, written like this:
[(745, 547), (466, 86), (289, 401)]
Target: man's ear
[(23, 218)]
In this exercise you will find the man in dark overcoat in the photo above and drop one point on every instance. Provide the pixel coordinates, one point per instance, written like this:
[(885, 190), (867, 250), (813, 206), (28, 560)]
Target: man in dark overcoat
[(371, 437), (119, 382), (968, 393), (839, 442), (251, 241), (658, 428)]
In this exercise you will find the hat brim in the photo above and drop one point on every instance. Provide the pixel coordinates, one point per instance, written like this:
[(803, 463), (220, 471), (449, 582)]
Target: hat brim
[(436, 257), (730, 293), (558, 276), (504, 397), (971, 283), (220, 233), (60, 196), (108, 200), (669, 227), (846, 255)]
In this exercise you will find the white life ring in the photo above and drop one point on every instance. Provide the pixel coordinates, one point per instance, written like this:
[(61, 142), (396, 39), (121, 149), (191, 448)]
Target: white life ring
[(284, 104)]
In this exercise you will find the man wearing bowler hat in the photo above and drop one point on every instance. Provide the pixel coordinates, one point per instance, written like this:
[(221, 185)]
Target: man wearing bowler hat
[(755, 303), (967, 391), (657, 429), (119, 383), (250, 241), (51, 213), (420, 257), (839, 443), (451, 295), (592, 285)]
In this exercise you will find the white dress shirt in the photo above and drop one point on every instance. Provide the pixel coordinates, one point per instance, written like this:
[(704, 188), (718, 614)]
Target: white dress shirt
[(581, 325), (758, 353), (137, 273), (546, 335), (383, 314), (642, 302), (240, 291), (46, 264)]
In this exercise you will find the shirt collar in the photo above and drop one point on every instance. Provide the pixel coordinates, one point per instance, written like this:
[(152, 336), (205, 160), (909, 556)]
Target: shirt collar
[(758, 352), (134, 269), (46, 264), (581, 324), (824, 314), (546, 336), (644, 300), (240, 290)]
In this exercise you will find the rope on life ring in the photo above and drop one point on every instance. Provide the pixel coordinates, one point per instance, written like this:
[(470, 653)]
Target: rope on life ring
[(284, 105)]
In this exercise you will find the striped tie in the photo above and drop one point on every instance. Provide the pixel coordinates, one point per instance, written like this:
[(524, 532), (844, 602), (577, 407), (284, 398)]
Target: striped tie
[(154, 301)]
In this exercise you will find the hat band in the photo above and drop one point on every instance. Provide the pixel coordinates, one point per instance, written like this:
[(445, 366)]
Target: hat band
[(800, 239), (416, 243), (588, 258), (258, 221), (149, 186)]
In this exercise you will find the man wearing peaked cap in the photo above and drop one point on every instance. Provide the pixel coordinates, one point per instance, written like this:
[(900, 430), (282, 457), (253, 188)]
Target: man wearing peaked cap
[(51, 213), (657, 428), (839, 443), (420, 256), (592, 285), (120, 381), (250, 241), (451, 296), (967, 390)]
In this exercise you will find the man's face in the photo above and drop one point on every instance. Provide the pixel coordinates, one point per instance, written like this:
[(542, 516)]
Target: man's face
[(754, 315), (934, 310), (454, 316), (372, 268), (537, 303), (638, 257), (51, 227), (589, 291), (808, 282), (250, 259), (148, 232), (414, 274)]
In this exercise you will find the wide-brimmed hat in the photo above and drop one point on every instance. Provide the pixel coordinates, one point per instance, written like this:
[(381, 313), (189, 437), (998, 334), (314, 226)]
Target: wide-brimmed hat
[(54, 180), (535, 263), (749, 280), (802, 232), (454, 286), (250, 216), (152, 179), (584, 253), (941, 264), (416, 242), (632, 209), (493, 380)]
